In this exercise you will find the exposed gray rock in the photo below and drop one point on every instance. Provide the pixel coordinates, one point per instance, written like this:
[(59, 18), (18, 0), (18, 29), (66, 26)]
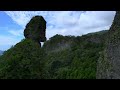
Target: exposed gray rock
[(35, 29), (108, 66)]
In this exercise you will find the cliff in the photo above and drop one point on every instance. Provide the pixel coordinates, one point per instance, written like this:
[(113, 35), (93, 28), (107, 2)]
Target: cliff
[(108, 66)]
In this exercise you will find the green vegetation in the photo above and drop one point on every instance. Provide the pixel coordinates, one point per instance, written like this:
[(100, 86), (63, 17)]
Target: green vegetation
[(76, 61), (24, 60), (61, 57)]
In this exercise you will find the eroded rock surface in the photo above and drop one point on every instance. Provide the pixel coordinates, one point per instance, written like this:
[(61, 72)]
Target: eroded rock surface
[(35, 29), (108, 66)]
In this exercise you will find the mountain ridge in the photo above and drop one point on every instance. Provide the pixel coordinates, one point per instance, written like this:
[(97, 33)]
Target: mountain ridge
[(90, 56), (61, 57)]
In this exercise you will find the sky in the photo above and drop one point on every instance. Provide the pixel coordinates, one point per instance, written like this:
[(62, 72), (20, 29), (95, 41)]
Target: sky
[(77, 23)]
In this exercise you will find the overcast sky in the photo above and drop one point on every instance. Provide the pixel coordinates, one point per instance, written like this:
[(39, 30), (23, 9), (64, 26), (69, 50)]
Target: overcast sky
[(12, 23)]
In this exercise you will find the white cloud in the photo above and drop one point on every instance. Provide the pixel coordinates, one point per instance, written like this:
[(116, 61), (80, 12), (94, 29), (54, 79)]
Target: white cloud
[(16, 32), (5, 47), (9, 40), (95, 19), (66, 22)]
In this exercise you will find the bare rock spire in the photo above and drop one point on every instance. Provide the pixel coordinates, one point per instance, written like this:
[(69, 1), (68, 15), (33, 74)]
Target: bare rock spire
[(36, 29)]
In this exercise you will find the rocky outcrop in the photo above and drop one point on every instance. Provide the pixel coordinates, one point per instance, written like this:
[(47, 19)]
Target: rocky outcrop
[(108, 66), (35, 29)]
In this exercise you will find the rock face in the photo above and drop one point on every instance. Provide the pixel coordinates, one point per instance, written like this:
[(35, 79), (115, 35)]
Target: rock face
[(108, 66), (35, 29)]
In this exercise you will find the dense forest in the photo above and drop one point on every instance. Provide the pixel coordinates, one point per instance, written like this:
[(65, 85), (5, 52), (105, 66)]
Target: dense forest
[(61, 57), (91, 56)]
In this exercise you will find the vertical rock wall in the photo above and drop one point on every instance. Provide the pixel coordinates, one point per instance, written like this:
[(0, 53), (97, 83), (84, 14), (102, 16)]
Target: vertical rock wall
[(108, 66)]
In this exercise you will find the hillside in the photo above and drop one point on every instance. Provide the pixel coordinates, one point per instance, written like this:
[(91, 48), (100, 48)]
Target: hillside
[(95, 55), (23, 61), (72, 57), (61, 57)]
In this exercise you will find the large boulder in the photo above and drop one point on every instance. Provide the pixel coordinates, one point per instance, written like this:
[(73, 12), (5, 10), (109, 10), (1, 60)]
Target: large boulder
[(35, 29)]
